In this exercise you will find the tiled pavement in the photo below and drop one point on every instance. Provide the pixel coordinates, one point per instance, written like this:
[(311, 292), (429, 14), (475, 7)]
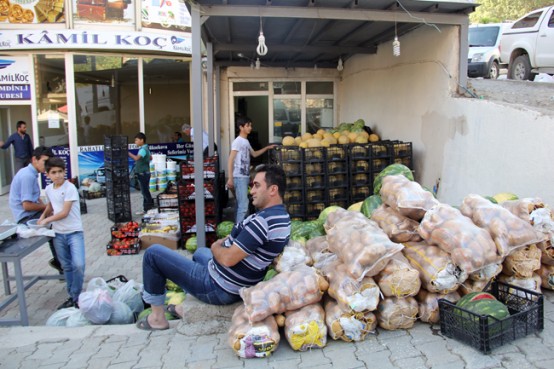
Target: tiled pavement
[(125, 346)]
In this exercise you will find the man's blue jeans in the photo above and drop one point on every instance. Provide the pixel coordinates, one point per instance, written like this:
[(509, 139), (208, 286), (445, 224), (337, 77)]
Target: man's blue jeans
[(70, 249), (241, 193), (160, 263), (144, 183)]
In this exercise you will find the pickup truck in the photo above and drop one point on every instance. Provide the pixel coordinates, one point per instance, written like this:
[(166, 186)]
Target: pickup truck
[(528, 45)]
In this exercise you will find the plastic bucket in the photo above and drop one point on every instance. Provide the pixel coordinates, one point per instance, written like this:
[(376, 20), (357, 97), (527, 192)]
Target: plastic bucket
[(152, 187), (160, 166), (171, 165)]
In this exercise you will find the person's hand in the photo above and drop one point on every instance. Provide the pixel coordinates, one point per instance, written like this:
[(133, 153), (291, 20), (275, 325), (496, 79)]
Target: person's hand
[(41, 221), (230, 184), (269, 147)]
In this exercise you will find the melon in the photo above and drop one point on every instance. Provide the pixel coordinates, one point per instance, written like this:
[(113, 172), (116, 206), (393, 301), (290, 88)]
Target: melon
[(298, 139), (373, 137), (336, 135), (289, 141), (343, 140), (361, 139), (356, 207), (303, 144), (306, 136), (321, 132), (314, 142), (370, 204), (504, 196)]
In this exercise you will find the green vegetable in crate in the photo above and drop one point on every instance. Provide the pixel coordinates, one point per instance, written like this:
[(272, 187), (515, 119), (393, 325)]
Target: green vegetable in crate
[(174, 298), (370, 204), (392, 169), (504, 196), (482, 303), (171, 286), (224, 228), (191, 244)]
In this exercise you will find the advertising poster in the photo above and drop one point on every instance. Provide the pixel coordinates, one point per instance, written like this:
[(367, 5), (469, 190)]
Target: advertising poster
[(60, 152), (104, 11), (32, 11), (15, 79), (166, 14)]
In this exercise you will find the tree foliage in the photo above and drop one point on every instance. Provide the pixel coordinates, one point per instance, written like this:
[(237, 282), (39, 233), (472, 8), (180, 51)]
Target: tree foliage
[(496, 11)]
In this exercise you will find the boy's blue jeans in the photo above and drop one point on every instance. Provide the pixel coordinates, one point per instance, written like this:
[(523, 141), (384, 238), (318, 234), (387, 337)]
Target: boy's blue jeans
[(160, 263), (241, 193), (70, 249)]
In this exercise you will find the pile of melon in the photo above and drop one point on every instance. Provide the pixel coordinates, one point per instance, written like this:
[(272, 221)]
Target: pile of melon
[(345, 133)]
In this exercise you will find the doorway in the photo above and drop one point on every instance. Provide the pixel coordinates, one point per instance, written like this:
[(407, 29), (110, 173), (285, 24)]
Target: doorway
[(257, 109), (6, 157)]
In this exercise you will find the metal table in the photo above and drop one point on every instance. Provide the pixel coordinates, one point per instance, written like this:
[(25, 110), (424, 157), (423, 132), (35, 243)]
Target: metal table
[(14, 250)]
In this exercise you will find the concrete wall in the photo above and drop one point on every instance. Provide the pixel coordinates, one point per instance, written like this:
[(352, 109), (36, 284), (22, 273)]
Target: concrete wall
[(473, 146)]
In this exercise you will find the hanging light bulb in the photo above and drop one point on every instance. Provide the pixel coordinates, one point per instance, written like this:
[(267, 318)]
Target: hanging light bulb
[(258, 63), (262, 48), (340, 67), (396, 46), (112, 84)]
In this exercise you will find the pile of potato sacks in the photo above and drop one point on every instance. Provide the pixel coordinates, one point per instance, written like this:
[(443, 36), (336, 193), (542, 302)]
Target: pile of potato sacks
[(392, 269)]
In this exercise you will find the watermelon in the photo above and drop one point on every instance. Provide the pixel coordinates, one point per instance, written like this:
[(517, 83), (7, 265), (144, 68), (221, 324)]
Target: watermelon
[(504, 196), (306, 228), (491, 199), (224, 228), (392, 169), (474, 296), (494, 308), (325, 212), (370, 204), (191, 244)]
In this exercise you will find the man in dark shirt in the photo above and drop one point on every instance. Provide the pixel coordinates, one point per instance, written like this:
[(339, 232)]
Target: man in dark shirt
[(215, 275), (22, 145)]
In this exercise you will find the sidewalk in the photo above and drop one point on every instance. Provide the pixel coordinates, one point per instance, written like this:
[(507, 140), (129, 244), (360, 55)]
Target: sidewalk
[(125, 346)]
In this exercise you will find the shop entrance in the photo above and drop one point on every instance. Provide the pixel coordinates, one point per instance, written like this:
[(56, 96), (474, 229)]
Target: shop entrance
[(6, 157), (256, 108)]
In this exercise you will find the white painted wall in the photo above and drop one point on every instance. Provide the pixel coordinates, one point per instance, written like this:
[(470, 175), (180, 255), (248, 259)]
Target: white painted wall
[(474, 146)]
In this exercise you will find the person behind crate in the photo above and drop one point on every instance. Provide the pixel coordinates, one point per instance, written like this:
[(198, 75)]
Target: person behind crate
[(64, 213), (142, 170), (25, 202), (238, 166), (215, 275)]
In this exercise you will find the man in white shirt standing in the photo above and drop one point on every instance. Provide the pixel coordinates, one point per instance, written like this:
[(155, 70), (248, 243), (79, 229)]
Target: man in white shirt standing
[(189, 131)]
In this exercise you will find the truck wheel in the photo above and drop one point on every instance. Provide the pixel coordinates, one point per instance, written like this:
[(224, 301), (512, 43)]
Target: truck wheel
[(520, 69), (494, 70)]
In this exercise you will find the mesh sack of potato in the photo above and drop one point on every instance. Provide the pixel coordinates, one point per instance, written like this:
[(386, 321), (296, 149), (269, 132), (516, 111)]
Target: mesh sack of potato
[(399, 278), (471, 285), (305, 328), (522, 208), (522, 262), (398, 227), (397, 313), (436, 270), (350, 294), (546, 272), (407, 197), (428, 303), (342, 214), (348, 326), (542, 221), (360, 244), (293, 256), (487, 273), (533, 283), (285, 292), (470, 247), (316, 249), (250, 340), (507, 230)]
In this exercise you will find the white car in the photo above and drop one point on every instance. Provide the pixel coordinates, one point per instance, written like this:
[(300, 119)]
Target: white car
[(484, 49)]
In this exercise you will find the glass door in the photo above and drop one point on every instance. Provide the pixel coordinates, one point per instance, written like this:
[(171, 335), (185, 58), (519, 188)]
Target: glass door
[(6, 163)]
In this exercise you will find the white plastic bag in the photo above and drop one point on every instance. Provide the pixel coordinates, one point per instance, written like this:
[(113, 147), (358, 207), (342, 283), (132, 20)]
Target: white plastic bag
[(96, 305), (130, 294), (77, 320), (121, 314), (59, 318)]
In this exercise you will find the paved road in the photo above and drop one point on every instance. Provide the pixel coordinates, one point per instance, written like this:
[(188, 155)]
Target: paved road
[(125, 346)]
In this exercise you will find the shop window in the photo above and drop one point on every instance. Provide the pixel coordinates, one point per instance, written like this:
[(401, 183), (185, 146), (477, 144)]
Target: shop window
[(106, 94), (166, 98), (250, 86), (51, 100), (319, 114), (319, 88), (287, 118), (287, 88)]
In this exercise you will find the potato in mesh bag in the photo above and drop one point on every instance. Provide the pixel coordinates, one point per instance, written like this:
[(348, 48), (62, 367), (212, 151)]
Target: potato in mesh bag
[(523, 262), (347, 325), (344, 215), (473, 286), (350, 294), (429, 304), (305, 328), (470, 247), (436, 270), (546, 272), (360, 244), (397, 313), (316, 249), (286, 291), (293, 255), (407, 197), (398, 227), (522, 208), (507, 230), (487, 273), (250, 340), (533, 283), (399, 278)]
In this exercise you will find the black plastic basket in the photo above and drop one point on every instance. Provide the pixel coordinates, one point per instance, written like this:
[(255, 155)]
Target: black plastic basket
[(484, 332)]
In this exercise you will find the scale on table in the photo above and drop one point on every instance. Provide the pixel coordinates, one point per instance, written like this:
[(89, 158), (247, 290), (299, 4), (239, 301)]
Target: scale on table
[(7, 231)]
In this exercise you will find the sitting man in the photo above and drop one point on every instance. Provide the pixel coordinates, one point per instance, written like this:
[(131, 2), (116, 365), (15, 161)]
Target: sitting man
[(215, 275)]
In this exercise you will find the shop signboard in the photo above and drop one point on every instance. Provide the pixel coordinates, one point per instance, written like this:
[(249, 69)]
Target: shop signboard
[(113, 12), (15, 79), (32, 11), (171, 15)]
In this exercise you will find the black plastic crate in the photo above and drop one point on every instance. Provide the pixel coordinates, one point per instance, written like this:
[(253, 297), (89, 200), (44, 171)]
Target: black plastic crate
[(526, 317), (296, 210), (314, 209), (315, 182), (294, 196), (292, 168), (117, 174), (295, 183), (379, 164), (118, 215), (361, 179), (94, 195), (360, 193), (404, 160), (360, 166), (400, 149), (115, 143), (337, 194), (284, 154), (337, 153), (337, 167), (315, 168), (342, 203), (337, 180), (82, 204), (315, 195), (315, 154)]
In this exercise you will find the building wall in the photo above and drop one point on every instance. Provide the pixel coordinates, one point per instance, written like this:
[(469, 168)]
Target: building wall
[(473, 146)]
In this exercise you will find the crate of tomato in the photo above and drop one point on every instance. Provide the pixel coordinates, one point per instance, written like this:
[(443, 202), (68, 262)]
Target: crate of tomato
[(123, 246), (124, 230)]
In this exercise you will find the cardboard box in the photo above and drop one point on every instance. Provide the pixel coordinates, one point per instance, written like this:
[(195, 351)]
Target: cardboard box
[(169, 242)]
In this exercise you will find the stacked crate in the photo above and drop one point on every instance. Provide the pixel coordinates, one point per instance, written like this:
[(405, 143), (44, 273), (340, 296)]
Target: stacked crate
[(118, 193), (186, 199), (366, 162), (290, 159), (315, 181), (337, 176), (402, 153)]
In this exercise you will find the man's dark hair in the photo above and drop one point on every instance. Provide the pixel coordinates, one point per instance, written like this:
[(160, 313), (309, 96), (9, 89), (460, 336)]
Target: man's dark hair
[(179, 134), (141, 136), (242, 121), (20, 123), (41, 151), (274, 175), (54, 162)]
